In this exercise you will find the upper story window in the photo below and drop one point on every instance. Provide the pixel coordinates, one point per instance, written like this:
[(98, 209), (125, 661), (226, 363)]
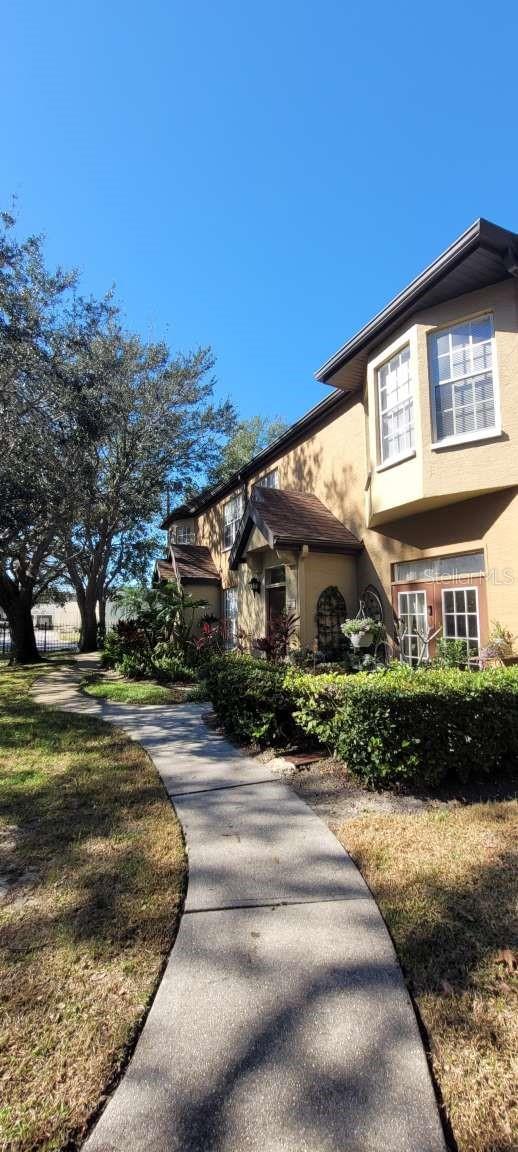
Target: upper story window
[(232, 513), (271, 480), (181, 534), (464, 395), (396, 406)]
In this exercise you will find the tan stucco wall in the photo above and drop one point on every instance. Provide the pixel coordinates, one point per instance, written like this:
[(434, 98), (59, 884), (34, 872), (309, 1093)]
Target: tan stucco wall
[(208, 592), (318, 571), (335, 461), (460, 470)]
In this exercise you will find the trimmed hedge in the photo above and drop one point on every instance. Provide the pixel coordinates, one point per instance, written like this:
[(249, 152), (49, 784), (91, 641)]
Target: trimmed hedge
[(250, 698), (395, 727)]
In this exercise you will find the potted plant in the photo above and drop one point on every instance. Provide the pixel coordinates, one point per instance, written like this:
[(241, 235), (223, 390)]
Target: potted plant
[(361, 631)]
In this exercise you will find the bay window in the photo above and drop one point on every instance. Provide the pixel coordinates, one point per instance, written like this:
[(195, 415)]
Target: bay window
[(464, 395), (396, 406)]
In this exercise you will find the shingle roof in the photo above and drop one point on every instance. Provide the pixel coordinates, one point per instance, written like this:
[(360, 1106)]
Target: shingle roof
[(193, 562), (292, 518)]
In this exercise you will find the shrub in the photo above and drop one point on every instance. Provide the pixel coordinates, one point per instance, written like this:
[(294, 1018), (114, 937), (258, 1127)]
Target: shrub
[(394, 727), (134, 666), (112, 650), (414, 727), (250, 698), (451, 653), (167, 660)]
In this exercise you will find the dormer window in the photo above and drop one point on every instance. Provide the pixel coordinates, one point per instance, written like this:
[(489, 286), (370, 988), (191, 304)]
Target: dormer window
[(396, 406), (232, 513), (464, 396), (181, 534), (270, 480)]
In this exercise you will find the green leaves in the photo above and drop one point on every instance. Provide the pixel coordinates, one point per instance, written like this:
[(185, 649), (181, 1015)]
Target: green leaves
[(394, 728)]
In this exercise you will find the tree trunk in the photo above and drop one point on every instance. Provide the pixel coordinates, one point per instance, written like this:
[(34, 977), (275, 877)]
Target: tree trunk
[(102, 617), (88, 638), (24, 649)]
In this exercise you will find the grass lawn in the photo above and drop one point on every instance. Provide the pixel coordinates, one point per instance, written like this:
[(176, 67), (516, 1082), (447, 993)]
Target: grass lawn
[(140, 691), (446, 882), (92, 872)]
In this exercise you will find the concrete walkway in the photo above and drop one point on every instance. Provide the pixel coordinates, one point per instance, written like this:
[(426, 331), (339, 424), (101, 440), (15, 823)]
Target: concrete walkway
[(282, 1023)]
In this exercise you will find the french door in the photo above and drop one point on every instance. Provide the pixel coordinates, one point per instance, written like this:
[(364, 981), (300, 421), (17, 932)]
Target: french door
[(413, 616), (435, 608), (460, 618)]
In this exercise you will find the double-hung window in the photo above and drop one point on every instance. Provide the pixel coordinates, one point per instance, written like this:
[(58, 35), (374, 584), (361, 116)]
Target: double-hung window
[(182, 534), (464, 393), (396, 406), (232, 514)]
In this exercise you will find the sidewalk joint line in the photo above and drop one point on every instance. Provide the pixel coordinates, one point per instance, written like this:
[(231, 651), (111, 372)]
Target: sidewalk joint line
[(224, 787), (269, 904)]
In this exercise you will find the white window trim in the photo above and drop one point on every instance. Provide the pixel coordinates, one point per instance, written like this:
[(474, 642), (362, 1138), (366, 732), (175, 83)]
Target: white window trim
[(260, 482), (278, 583), (408, 337), (228, 547), (479, 433), (184, 529), (462, 588), (418, 592), (409, 455), (411, 398), (234, 619)]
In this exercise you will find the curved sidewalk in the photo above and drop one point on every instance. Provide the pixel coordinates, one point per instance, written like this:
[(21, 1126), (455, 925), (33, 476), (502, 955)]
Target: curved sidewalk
[(282, 1022)]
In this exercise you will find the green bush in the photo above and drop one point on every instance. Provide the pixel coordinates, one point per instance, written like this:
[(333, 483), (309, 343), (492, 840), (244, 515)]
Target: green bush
[(134, 666), (402, 727), (395, 727), (112, 650), (451, 653), (169, 662), (249, 697)]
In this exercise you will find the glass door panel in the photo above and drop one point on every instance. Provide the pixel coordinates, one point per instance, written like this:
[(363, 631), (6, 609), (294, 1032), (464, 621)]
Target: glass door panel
[(461, 618), (414, 626)]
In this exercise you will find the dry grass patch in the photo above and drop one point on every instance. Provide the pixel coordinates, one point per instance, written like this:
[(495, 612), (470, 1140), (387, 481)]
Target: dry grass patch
[(92, 864), (445, 881)]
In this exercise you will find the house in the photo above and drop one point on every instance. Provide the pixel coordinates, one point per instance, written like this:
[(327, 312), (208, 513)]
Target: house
[(399, 489)]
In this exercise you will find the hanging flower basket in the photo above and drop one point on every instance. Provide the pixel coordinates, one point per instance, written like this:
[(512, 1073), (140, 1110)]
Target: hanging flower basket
[(361, 631), (361, 639)]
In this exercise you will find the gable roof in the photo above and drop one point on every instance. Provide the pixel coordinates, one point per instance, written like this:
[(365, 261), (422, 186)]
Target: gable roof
[(191, 563), (297, 431), (484, 254), (289, 519)]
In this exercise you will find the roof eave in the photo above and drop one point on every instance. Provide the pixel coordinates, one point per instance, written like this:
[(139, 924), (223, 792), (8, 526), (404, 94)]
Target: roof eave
[(481, 234)]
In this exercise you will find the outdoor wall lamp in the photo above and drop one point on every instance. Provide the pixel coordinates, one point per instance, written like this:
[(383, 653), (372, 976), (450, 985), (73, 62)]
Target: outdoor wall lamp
[(255, 585)]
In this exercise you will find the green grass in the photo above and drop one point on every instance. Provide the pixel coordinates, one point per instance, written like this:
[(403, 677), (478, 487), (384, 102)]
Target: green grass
[(130, 691), (142, 691), (93, 858), (445, 881)]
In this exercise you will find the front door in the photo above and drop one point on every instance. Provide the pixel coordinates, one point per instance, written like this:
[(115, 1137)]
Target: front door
[(413, 616), (455, 611)]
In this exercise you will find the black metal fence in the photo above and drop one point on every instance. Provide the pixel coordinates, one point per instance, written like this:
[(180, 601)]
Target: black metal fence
[(49, 638)]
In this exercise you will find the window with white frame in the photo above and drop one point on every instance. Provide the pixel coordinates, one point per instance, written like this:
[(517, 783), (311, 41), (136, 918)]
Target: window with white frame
[(464, 394), (460, 617), (396, 406), (232, 514), (271, 480), (230, 616), (182, 534)]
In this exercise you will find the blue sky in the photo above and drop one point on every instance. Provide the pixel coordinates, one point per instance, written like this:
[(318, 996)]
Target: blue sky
[(258, 177)]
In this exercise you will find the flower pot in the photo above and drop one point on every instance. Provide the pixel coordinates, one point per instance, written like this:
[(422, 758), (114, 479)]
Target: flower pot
[(361, 639)]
